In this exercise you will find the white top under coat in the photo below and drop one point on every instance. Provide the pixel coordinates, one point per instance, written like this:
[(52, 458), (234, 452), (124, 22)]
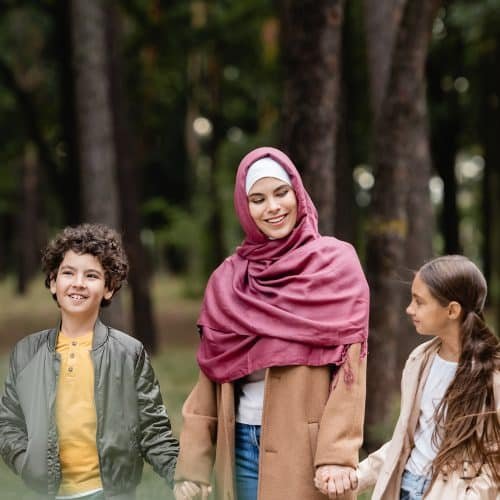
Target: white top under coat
[(251, 399), (441, 374)]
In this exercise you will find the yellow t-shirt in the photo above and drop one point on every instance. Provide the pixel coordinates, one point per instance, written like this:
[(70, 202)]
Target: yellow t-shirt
[(76, 417)]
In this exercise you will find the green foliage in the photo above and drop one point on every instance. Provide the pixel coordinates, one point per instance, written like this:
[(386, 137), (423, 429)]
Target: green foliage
[(28, 97), (220, 60), (382, 431), (237, 41), (176, 228)]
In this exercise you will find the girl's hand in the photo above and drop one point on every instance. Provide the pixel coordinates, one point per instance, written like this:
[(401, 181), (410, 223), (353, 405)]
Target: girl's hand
[(189, 490), (335, 480)]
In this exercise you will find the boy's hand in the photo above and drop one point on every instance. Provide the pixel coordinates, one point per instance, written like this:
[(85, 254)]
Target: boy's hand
[(189, 490), (335, 480)]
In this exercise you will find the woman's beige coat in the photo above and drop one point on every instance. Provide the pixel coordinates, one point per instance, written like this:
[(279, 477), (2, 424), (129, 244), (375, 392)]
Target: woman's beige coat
[(305, 424), (384, 468)]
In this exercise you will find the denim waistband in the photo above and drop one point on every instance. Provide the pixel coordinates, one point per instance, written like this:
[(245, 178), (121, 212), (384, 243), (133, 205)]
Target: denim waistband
[(414, 483)]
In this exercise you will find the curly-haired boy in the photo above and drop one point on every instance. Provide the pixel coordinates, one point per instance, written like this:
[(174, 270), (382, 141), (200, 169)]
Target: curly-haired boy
[(81, 406)]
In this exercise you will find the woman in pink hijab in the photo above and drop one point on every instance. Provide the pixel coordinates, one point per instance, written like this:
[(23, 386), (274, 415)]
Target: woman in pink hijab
[(278, 409)]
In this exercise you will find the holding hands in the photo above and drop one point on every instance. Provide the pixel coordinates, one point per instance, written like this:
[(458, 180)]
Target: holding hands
[(335, 480), (189, 490)]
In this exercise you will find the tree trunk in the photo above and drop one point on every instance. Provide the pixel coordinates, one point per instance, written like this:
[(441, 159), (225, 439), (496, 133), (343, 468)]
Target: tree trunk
[(95, 124), (5, 249), (447, 58), (345, 206), (215, 225), (67, 181), (311, 48), (491, 224), (31, 119), (140, 273), (395, 145), (205, 79), (28, 237), (195, 257), (450, 219), (490, 76), (445, 154), (382, 19), (346, 220), (196, 266), (420, 217)]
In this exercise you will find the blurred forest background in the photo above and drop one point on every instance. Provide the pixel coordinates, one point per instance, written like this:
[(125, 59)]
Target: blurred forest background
[(136, 113)]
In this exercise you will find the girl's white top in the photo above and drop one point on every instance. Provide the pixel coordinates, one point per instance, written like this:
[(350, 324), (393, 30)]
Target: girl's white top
[(423, 453)]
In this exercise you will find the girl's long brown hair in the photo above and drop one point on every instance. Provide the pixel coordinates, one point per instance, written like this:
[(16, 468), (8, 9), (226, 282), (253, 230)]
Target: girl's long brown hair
[(467, 427)]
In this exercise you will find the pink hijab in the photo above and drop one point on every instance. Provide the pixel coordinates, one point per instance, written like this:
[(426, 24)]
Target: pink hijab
[(298, 300)]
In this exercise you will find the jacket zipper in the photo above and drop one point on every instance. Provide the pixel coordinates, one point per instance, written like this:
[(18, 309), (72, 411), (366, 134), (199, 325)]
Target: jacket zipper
[(97, 418), (53, 441)]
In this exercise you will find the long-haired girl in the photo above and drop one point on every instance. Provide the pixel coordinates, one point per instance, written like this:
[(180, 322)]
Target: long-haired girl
[(446, 444)]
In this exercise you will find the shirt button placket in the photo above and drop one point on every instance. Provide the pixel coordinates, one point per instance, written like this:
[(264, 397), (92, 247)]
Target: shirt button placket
[(72, 356)]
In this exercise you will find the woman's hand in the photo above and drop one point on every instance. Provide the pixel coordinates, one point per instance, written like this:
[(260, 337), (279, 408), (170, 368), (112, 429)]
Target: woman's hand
[(335, 480), (189, 490)]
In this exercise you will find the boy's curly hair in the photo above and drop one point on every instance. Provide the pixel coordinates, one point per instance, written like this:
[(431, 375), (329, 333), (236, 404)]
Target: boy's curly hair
[(98, 240)]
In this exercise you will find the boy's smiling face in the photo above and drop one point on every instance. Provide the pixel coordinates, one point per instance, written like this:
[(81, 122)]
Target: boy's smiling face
[(80, 285)]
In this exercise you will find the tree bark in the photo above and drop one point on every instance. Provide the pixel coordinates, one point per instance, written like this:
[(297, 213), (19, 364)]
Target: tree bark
[(450, 219), (144, 327), (196, 267), (445, 154), (215, 225), (205, 99), (94, 115), (420, 217), (346, 220), (5, 249), (446, 59), (95, 124), (311, 48), (30, 117), (382, 19), (67, 182), (490, 111), (28, 234), (395, 143), (345, 206)]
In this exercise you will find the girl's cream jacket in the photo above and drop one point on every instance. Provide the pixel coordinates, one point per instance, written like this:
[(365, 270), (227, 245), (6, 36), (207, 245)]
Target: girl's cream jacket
[(384, 467)]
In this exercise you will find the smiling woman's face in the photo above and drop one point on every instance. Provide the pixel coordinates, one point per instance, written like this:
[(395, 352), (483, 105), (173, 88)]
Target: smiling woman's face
[(273, 207)]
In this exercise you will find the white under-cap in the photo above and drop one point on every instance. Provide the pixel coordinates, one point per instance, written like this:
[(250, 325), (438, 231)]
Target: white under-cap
[(265, 167)]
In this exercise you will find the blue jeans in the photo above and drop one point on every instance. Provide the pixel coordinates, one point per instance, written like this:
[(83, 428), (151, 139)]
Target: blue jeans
[(413, 487), (247, 442)]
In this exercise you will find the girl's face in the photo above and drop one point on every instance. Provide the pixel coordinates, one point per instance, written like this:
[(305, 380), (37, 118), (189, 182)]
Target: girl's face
[(273, 207), (427, 314)]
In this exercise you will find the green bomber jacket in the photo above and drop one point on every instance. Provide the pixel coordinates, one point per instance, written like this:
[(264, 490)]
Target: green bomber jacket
[(132, 422)]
